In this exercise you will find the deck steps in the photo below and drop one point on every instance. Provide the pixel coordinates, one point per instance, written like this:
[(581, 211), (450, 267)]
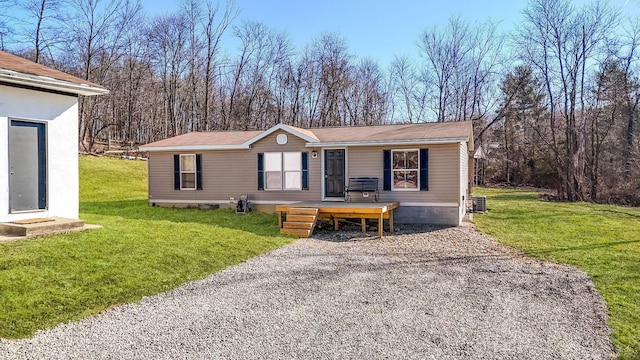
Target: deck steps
[(298, 225), (291, 217), (299, 221)]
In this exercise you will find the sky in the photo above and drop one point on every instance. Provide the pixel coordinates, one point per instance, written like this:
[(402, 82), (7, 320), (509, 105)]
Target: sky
[(379, 29)]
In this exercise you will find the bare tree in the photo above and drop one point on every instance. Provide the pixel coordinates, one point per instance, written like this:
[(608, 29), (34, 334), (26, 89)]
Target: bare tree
[(445, 53), (366, 98), (461, 64), (6, 25), (326, 62), (167, 37), (629, 56), (132, 88), (215, 24), (615, 107), (522, 153), (561, 42), (42, 26), (191, 9), (409, 92), (98, 35)]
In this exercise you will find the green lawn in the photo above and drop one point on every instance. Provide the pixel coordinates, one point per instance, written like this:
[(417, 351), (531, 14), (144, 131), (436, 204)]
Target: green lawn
[(140, 251), (603, 240)]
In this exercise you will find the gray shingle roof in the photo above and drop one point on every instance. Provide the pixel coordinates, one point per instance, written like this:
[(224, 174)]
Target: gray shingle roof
[(352, 136)]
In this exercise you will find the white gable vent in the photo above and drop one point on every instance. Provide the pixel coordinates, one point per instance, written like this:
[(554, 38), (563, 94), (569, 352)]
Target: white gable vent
[(479, 204)]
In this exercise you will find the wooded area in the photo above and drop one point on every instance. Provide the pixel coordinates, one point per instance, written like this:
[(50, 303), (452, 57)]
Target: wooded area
[(554, 100)]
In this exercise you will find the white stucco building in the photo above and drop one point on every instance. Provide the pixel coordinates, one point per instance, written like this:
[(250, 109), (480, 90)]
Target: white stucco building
[(39, 139)]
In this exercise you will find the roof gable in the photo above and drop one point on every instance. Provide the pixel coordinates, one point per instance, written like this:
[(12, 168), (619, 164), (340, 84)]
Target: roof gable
[(304, 134)]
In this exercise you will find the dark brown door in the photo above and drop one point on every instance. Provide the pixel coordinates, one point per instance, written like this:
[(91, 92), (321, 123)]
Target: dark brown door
[(334, 173)]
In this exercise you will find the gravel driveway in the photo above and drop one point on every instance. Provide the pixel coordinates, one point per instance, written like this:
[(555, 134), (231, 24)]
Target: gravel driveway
[(423, 293)]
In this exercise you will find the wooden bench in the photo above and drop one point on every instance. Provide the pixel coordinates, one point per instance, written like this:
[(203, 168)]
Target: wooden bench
[(363, 185)]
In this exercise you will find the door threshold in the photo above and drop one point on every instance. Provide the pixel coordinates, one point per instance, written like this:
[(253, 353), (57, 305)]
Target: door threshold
[(35, 211)]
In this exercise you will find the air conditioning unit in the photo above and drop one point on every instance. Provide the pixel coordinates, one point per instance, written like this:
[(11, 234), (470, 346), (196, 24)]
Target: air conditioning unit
[(479, 204)]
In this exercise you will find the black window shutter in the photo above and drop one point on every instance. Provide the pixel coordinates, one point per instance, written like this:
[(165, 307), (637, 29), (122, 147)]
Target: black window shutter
[(260, 171), (199, 171), (176, 172), (387, 170), (305, 171), (424, 169)]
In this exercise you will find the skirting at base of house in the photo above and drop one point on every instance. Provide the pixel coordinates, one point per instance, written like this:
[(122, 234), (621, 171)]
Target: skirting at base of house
[(437, 215), (265, 208), (191, 205)]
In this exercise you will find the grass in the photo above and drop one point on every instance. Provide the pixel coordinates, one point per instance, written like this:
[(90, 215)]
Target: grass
[(140, 251), (603, 240)]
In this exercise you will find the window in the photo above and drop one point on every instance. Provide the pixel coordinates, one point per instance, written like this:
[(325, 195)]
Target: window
[(292, 162), (406, 165), (283, 171), (188, 172), (400, 170), (273, 171)]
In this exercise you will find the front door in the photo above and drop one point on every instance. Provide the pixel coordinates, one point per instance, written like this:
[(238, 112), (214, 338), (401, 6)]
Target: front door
[(27, 166), (334, 173)]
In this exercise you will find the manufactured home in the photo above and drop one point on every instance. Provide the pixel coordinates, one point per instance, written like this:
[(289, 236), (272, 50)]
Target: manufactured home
[(423, 168)]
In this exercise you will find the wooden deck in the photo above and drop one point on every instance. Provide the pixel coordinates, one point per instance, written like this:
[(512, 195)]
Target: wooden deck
[(333, 211)]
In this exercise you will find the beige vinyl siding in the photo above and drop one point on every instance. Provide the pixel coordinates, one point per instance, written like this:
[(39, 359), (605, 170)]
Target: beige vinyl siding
[(229, 173), (443, 172)]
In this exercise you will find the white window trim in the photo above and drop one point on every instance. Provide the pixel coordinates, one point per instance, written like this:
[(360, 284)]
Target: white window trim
[(194, 172), (282, 172), (417, 188)]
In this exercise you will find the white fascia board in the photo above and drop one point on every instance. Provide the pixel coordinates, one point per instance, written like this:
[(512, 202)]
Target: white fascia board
[(283, 127), (389, 142), (193, 147), (50, 83)]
